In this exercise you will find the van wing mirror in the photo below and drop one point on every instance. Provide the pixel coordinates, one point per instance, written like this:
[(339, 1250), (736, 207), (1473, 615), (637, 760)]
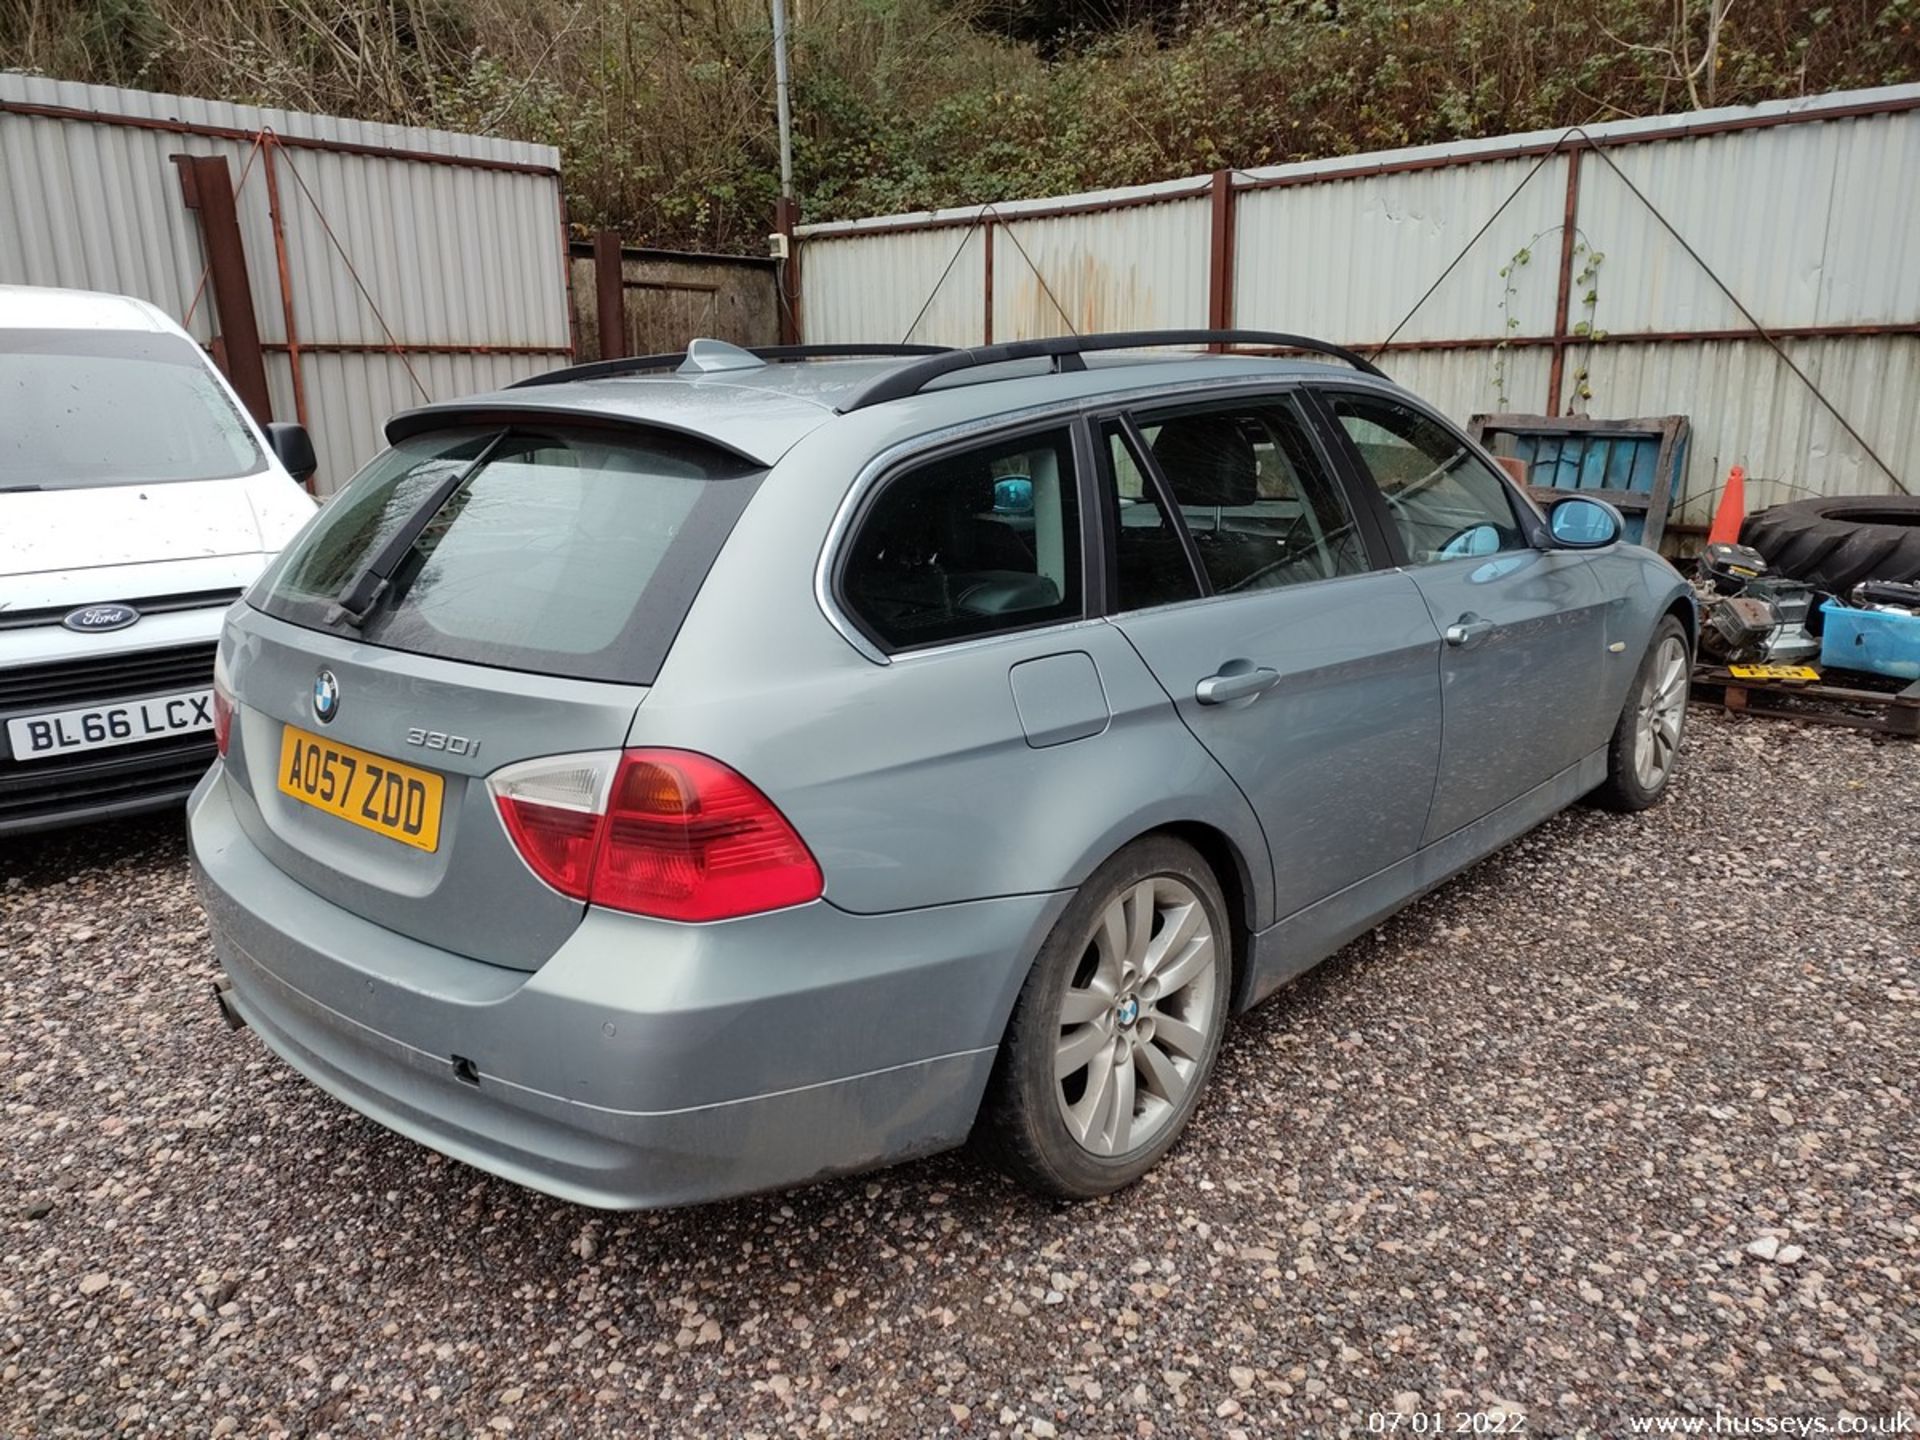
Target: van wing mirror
[(293, 448)]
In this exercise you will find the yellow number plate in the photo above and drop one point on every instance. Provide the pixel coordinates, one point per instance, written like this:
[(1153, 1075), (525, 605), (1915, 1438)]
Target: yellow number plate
[(1773, 672), (363, 789)]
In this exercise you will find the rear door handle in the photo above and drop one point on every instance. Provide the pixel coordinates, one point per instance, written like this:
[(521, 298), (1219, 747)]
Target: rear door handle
[(1231, 685), (1468, 631)]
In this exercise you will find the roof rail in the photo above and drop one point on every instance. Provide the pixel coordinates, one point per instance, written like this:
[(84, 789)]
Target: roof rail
[(639, 364), (1066, 350)]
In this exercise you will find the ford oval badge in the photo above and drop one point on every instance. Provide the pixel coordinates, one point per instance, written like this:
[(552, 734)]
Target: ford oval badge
[(326, 696), (90, 619)]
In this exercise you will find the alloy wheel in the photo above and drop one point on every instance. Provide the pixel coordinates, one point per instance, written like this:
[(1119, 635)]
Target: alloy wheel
[(1662, 711), (1137, 1017)]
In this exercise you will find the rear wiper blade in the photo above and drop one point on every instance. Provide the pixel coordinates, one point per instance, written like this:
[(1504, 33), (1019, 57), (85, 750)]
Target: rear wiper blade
[(359, 595), (19, 489)]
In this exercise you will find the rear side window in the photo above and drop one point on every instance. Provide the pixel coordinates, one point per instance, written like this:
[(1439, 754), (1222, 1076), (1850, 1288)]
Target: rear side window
[(971, 544), (566, 552), (1261, 508)]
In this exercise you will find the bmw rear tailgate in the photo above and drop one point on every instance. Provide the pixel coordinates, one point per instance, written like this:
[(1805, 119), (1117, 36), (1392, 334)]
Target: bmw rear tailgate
[(527, 620)]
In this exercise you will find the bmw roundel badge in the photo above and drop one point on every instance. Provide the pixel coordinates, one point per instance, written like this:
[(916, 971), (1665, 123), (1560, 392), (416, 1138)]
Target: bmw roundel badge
[(90, 619), (326, 696)]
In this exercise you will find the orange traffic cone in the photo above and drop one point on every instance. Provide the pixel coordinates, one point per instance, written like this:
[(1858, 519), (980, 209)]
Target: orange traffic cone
[(1733, 509)]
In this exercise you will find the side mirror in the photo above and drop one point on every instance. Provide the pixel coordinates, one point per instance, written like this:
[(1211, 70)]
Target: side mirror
[(1013, 495), (1581, 524), (293, 448)]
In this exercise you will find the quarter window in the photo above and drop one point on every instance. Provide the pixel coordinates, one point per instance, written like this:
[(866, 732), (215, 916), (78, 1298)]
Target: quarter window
[(1445, 501), (1250, 488), (971, 544)]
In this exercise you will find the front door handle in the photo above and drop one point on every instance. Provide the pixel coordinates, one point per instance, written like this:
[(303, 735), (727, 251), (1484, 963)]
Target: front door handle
[(1230, 685), (1468, 631)]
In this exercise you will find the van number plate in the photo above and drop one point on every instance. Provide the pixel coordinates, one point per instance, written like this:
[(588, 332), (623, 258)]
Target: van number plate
[(364, 789), (94, 727)]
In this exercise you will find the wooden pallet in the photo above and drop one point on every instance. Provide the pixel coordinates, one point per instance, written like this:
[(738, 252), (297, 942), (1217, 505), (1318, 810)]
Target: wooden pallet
[(1865, 702)]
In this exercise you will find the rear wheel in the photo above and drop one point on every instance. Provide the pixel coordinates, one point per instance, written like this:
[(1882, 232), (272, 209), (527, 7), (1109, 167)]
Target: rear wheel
[(1646, 741), (1116, 1030)]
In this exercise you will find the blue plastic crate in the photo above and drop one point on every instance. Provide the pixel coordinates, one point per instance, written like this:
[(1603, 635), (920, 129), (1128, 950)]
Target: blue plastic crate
[(1882, 642)]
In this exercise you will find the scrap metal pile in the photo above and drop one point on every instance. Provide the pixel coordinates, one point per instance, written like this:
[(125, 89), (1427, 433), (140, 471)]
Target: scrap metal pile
[(1814, 614)]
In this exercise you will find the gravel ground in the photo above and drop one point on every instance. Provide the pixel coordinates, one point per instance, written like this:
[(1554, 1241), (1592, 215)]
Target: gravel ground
[(1621, 1123)]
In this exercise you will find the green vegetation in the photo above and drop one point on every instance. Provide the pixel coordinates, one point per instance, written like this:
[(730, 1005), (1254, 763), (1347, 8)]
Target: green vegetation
[(662, 109)]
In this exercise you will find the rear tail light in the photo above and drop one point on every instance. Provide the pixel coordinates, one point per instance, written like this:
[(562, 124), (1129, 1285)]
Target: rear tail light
[(222, 706), (655, 832)]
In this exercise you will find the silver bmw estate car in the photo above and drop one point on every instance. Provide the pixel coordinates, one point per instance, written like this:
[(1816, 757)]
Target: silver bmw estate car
[(678, 777)]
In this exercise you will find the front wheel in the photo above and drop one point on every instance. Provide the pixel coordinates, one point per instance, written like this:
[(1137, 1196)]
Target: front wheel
[(1646, 741), (1116, 1030)]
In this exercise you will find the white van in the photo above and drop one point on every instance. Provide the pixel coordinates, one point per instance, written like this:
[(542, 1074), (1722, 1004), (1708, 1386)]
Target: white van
[(137, 500)]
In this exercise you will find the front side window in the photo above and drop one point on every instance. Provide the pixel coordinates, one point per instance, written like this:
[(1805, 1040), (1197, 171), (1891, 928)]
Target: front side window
[(1262, 509), (566, 552), (1445, 501), (82, 408), (970, 544)]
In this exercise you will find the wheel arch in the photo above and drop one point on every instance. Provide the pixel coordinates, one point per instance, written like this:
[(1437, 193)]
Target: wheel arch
[(1229, 866), (1683, 609), (1247, 891)]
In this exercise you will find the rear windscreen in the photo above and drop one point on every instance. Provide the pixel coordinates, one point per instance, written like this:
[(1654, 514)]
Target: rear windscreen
[(563, 552)]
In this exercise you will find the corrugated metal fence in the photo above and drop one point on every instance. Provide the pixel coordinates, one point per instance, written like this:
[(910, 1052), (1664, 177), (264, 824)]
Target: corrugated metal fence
[(1807, 211), (386, 265)]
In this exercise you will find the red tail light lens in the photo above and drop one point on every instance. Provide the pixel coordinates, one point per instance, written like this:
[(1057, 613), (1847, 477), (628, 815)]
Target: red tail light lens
[(222, 710), (655, 832), (688, 839)]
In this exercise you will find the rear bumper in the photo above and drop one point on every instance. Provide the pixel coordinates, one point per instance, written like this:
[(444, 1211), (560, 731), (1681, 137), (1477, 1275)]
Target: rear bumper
[(646, 1063)]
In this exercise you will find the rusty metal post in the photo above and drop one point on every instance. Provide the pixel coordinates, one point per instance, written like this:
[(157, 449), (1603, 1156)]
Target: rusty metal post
[(270, 142), (566, 277), (1556, 368), (206, 184), (609, 285), (986, 259), (1220, 251), (786, 217)]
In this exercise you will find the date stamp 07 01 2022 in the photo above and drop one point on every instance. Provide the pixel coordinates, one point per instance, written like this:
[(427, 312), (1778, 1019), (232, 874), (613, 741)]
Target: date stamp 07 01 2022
[(1496, 1421)]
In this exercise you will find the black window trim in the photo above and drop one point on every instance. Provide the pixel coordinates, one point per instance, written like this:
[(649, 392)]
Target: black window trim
[(972, 439), (1526, 514), (1356, 488)]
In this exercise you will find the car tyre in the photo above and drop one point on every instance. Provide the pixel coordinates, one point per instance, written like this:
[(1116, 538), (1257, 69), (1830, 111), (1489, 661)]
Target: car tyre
[(1117, 1028), (1833, 542), (1645, 748)]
